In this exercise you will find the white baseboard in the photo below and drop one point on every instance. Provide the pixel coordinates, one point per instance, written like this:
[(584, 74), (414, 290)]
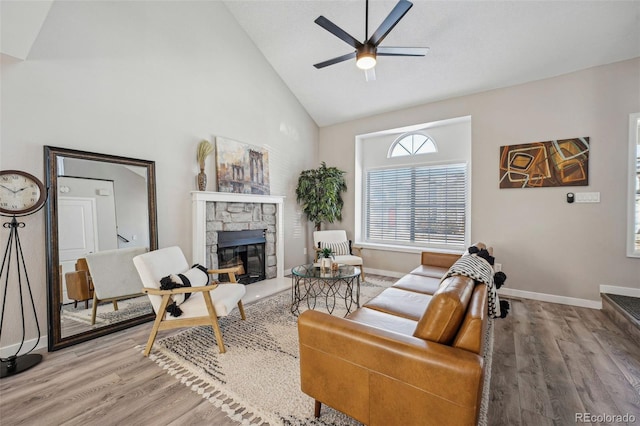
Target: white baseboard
[(622, 291), (7, 351), (544, 297)]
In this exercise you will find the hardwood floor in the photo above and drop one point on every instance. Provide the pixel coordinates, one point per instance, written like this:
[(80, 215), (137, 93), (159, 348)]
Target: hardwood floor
[(550, 361)]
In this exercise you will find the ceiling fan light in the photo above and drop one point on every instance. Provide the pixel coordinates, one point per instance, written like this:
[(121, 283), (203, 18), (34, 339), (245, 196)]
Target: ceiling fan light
[(366, 60)]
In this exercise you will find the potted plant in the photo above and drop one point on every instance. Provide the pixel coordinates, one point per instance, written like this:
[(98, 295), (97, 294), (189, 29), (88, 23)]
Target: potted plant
[(326, 257), (319, 193)]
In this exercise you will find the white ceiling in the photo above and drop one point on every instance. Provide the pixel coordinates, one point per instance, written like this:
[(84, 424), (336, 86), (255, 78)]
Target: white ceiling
[(475, 46)]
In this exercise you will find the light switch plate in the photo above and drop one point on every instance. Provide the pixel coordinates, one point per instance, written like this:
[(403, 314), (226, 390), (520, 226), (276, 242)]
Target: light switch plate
[(587, 197)]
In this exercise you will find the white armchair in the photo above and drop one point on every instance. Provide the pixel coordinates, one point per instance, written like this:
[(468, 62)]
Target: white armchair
[(203, 307), (343, 251), (113, 276)]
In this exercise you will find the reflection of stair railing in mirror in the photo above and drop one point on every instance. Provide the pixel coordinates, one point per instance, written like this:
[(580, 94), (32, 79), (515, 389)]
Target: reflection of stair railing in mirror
[(123, 239)]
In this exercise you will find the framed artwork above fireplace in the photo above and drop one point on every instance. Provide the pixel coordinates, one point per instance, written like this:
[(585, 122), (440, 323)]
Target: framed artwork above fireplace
[(241, 168)]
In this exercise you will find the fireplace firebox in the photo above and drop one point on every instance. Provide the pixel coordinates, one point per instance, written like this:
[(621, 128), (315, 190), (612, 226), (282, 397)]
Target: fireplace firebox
[(245, 249)]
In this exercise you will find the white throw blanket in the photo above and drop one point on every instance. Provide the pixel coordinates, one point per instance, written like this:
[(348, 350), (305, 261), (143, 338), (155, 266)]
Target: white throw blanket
[(478, 269)]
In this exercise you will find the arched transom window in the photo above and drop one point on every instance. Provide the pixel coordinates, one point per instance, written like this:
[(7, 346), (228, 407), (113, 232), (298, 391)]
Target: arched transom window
[(412, 144)]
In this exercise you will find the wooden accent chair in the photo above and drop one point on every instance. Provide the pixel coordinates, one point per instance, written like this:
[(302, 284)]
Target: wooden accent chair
[(343, 250), (79, 285), (203, 307)]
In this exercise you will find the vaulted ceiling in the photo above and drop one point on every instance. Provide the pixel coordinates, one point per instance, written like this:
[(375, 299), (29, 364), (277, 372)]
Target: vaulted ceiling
[(474, 46)]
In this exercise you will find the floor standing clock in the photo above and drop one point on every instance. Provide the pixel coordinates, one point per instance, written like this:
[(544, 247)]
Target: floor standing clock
[(21, 194)]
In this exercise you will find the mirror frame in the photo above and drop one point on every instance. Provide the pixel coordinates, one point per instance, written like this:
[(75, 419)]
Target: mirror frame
[(51, 155)]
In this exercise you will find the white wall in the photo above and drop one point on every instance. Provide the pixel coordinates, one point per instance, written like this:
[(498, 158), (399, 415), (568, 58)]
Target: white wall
[(148, 80), (544, 244)]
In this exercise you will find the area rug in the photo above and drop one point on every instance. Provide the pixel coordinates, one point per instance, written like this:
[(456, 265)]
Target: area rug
[(257, 381), (127, 309)]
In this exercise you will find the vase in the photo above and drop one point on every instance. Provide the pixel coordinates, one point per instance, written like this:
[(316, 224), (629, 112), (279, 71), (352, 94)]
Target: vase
[(202, 180)]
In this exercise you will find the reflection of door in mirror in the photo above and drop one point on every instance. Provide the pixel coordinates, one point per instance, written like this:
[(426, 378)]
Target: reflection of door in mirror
[(98, 203), (87, 220)]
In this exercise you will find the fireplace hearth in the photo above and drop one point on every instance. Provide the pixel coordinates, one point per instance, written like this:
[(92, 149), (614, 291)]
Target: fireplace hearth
[(246, 249)]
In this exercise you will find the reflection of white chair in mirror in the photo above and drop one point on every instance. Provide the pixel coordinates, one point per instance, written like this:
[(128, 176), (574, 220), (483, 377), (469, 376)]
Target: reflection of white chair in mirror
[(343, 251), (205, 304), (114, 276)]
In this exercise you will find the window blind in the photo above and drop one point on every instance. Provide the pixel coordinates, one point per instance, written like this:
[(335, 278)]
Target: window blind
[(423, 205)]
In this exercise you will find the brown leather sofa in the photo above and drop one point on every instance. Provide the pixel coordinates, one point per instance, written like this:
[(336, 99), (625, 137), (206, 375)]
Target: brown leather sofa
[(413, 355)]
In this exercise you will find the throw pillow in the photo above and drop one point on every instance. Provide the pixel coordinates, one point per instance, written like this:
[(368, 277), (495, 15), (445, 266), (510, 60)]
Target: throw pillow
[(197, 276), (339, 249)]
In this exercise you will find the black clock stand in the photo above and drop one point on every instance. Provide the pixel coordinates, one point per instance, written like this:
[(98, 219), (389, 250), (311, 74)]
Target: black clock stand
[(16, 364)]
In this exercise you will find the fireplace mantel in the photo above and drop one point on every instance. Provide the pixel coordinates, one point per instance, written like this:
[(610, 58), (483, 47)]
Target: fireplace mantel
[(199, 201)]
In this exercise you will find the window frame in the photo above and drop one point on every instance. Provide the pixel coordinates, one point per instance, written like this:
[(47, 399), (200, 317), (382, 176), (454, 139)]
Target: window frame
[(633, 220), (417, 246), (399, 139)]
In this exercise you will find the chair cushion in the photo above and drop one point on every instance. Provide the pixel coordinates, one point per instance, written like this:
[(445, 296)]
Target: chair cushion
[(339, 248), (349, 260), (224, 297)]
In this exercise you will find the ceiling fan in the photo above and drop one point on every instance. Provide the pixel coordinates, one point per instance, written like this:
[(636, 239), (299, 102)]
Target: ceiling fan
[(367, 52)]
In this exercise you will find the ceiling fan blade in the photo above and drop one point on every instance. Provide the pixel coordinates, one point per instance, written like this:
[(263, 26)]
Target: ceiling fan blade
[(335, 60), (402, 51), (337, 31), (370, 74), (390, 21)]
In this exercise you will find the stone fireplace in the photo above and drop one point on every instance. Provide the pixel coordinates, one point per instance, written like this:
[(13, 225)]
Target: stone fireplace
[(218, 219)]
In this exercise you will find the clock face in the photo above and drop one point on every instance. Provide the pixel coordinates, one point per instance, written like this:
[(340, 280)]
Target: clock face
[(20, 192)]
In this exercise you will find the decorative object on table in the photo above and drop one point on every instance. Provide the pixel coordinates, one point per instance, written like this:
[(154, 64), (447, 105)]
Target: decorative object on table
[(326, 258), (319, 193), (562, 162), (343, 251), (205, 148), (21, 194), (242, 168)]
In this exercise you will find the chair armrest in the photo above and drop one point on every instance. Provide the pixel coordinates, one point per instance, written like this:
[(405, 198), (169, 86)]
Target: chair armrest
[(158, 292), (359, 249), (229, 271), (224, 270)]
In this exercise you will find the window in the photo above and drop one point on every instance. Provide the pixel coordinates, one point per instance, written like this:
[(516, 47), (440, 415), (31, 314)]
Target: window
[(412, 144), (422, 205)]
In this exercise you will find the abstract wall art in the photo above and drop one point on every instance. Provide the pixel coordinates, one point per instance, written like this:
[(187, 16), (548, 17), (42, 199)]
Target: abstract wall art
[(562, 162), (241, 168)]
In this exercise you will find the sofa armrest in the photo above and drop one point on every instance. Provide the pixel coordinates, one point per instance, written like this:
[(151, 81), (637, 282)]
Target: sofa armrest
[(337, 353)]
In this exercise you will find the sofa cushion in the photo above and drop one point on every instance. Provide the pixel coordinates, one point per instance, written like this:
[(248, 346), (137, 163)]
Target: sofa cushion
[(406, 304), (418, 283), (383, 320), (443, 316), (472, 331), (430, 271)]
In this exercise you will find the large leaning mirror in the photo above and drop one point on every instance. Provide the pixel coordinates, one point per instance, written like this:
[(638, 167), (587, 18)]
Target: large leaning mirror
[(99, 207)]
